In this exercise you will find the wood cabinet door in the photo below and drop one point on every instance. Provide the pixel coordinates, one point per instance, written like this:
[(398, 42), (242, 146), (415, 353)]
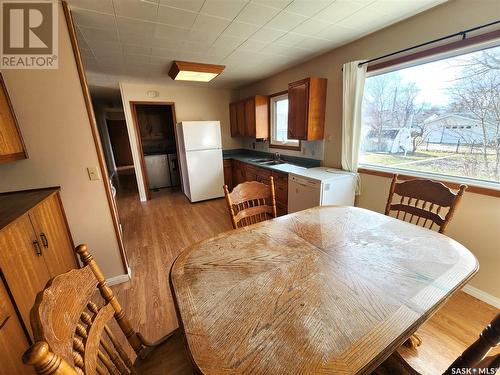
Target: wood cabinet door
[(25, 272), (50, 226), (13, 341), (238, 173), (233, 120), (298, 102), (250, 117), (11, 143), (240, 115), (228, 174)]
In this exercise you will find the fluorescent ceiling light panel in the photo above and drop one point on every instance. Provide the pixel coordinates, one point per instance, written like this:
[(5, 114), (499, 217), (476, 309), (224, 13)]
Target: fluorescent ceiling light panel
[(191, 71)]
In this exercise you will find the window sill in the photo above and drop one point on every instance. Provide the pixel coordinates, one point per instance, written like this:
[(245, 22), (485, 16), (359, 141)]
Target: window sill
[(474, 186)]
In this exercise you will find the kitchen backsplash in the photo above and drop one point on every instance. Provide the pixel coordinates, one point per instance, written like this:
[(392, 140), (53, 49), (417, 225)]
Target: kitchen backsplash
[(311, 150)]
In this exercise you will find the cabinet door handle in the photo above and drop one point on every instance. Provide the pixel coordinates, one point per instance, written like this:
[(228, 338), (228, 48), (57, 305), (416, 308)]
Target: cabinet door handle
[(38, 250), (45, 241)]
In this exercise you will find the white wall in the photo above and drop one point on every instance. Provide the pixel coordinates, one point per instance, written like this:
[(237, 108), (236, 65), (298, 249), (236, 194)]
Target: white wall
[(191, 103), (51, 111)]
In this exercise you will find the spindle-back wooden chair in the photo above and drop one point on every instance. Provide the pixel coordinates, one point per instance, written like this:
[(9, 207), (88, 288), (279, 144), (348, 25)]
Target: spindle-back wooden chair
[(474, 357), (423, 202), (251, 202), (73, 332)]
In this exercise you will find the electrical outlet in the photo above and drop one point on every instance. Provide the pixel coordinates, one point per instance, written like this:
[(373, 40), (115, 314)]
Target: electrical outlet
[(93, 173)]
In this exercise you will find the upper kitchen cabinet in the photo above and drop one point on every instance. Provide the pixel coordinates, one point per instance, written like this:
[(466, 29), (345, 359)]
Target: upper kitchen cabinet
[(306, 109), (11, 143), (250, 117)]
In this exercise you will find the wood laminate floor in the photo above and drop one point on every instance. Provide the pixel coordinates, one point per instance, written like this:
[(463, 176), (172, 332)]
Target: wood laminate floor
[(155, 232)]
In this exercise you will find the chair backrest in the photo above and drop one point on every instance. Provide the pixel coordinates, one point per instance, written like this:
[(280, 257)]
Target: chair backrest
[(251, 202), (72, 329), (474, 355), (423, 202)]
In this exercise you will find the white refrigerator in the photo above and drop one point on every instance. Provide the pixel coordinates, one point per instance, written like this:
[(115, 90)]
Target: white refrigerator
[(200, 159)]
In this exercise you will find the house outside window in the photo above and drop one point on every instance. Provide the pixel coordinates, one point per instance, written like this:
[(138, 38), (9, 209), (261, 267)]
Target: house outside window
[(279, 123), (439, 117)]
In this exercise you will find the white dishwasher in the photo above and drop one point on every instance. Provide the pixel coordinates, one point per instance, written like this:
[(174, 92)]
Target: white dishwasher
[(320, 187)]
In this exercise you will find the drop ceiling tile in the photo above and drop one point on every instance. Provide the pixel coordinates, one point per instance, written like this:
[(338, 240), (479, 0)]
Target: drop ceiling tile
[(367, 19), (201, 36), (161, 45), (257, 14), (169, 32), (241, 29), (339, 10), (136, 59), (143, 10), (130, 25), (290, 39), (92, 19), (193, 5), (252, 45), (267, 34), (307, 7), (286, 21), (136, 49), (227, 42), (210, 24), (162, 60), (223, 8), (91, 34), (315, 44), (176, 17), (338, 33), (108, 55), (278, 4), (311, 27), (135, 38), (104, 6)]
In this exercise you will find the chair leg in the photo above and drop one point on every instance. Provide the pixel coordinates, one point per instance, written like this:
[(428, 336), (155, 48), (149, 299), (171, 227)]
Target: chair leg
[(413, 342)]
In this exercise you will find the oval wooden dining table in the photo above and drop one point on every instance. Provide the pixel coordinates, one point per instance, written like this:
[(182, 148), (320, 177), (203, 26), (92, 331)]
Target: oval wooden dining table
[(329, 290)]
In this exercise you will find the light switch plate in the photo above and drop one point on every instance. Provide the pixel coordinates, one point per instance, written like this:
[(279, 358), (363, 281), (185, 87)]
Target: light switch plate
[(93, 173)]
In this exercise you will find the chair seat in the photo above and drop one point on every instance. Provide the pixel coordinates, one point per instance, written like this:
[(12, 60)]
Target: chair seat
[(170, 357)]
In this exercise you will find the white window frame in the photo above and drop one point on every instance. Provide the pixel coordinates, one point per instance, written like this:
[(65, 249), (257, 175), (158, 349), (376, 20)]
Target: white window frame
[(438, 176), (290, 143)]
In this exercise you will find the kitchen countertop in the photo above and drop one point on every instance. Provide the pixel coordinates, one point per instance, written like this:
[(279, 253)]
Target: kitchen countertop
[(296, 165)]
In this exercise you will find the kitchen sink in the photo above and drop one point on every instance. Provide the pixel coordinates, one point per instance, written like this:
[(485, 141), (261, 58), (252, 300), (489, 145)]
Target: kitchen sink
[(261, 160), (273, 162)]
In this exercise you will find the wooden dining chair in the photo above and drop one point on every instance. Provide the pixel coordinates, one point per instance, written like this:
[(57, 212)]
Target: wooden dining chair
[(474, 357), (251, 202), (74, 336), (423, 202)]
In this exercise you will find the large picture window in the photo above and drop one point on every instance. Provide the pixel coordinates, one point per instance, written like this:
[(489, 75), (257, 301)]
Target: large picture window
[(279, 123), (440, 117)]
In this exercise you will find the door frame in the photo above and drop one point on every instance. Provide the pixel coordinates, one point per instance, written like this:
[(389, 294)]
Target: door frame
[(95, 134), (133, 104)]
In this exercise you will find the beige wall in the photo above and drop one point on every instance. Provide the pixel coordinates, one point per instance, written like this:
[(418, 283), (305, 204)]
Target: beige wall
[(191, 104), (51, 112), (477, 222)]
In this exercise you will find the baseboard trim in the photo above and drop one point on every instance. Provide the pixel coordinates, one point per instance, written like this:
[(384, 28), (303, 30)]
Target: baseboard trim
[(483, 296), (120, 278)]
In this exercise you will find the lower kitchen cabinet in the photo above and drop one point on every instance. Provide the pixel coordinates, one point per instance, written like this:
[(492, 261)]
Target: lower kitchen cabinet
[(242, 172), (35, 245), (228, 173)]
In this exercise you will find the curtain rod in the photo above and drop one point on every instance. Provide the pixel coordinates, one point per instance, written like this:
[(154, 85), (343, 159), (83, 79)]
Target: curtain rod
[(460, 33)]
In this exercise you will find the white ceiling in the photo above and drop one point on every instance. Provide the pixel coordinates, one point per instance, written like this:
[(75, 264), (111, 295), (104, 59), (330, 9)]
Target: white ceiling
[(138, 39)]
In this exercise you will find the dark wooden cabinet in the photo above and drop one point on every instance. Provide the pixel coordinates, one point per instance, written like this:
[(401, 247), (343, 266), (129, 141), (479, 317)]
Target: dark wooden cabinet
[(35, 245), (228, 173), (306, 109), (242, 172), (250, 117), (11, 142)]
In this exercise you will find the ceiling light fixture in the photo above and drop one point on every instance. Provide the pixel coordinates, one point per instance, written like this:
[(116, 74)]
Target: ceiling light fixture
[(191, 71)]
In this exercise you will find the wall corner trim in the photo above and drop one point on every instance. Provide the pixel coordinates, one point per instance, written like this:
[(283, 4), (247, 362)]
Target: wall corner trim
[(481, 295)]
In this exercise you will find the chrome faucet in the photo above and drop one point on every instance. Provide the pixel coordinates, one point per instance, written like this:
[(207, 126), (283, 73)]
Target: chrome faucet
[(277, 156)]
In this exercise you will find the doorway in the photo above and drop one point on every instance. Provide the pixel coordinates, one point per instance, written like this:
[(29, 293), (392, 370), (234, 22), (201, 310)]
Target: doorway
[(120, 144), (156, 139)]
